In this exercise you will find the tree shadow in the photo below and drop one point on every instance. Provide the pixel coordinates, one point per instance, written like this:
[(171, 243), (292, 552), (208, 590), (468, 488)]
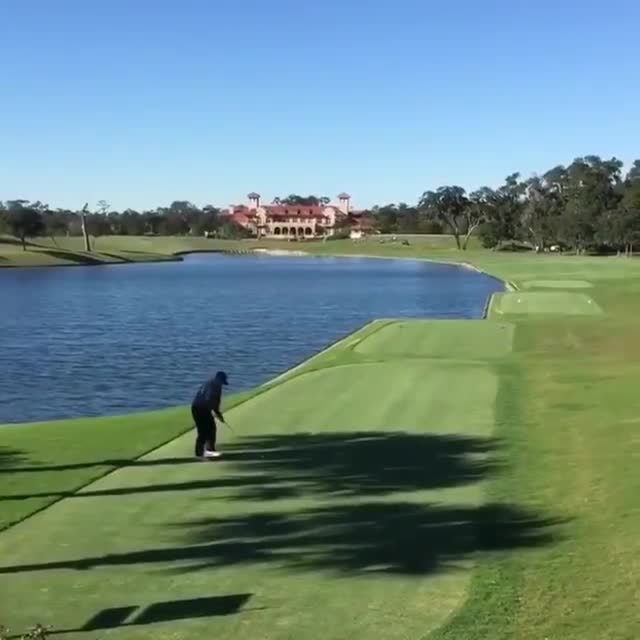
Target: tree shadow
[(117, 463), (407, 538), (116, 256), (194, 485), (396, 537), (159, 612), (71, 256), (18, 242), (334, 464), (348, 463), (10, 459), (370, 512)]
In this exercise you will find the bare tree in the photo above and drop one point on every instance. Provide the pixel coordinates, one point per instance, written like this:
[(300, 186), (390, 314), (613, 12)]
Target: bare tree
[(85, 232)]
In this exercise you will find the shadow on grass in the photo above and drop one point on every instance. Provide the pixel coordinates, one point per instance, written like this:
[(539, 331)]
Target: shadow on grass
[(345, 463), (372, 521), (10, 459), (31, 466), (71, 256), (116, 256), (158, 612), (333, 464), (17, 242), (396, 537)]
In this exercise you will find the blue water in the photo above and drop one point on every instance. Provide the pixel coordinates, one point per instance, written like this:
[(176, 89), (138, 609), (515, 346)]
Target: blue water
[(88, 341)]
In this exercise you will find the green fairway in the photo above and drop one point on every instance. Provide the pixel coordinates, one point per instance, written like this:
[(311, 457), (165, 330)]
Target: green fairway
[(361, 506), (556, 284), (471, 339), (65, 252), (542, 302), (73, 453), (69, 251), (428, 480)]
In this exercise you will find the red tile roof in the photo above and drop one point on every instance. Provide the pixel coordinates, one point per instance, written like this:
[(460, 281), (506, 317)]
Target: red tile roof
[(303, 211), (243, 214)]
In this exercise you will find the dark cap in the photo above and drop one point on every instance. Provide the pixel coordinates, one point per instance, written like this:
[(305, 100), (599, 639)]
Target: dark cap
[(222, 377)]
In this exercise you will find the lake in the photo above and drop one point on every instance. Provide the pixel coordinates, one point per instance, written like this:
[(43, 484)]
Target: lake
[(88, 341)]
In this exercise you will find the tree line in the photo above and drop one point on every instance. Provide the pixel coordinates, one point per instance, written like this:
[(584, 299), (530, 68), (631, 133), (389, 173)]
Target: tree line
[(589, 205), (586, 206), (29, 219)]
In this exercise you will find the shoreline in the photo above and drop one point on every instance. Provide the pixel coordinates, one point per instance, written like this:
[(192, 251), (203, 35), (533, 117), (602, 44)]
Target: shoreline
[(244, 396), (173, 257)]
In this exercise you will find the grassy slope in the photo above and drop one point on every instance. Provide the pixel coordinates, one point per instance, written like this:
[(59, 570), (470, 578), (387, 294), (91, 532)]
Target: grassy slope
[(117, 249), (69, 252), (566, 414), (341, 506)]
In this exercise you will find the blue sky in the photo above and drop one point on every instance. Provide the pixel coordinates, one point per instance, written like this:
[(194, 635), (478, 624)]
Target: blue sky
[(142, 102)]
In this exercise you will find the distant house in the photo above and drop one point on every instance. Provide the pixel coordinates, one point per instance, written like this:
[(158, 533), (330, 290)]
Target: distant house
[(294, 222)]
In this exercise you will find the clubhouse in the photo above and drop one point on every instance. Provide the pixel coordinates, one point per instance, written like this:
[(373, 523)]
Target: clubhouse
[(299, 222)]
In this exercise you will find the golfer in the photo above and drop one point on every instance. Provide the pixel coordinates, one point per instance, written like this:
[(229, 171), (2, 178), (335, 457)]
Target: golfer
[(206, 404)]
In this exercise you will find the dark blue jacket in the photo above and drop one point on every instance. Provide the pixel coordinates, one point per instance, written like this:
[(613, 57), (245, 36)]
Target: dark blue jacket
[(209, 395)]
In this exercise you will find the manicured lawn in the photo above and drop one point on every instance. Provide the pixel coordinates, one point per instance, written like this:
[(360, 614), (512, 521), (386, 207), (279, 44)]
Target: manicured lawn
[(350, 493), (46, 462), (544, 302), (119, 249), (442, 480), (44, 252), (450, 339)]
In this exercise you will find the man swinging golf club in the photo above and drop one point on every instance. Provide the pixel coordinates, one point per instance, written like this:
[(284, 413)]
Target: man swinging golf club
[(204, 406)]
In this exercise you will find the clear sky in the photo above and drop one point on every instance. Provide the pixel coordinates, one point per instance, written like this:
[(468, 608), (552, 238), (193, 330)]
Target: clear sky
[(141, 102)]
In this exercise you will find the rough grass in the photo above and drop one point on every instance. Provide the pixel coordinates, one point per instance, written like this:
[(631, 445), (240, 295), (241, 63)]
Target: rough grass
[(360, 516), (568, 418)]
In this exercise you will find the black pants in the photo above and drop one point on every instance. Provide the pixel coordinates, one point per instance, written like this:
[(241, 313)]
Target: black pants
[(205, 427)]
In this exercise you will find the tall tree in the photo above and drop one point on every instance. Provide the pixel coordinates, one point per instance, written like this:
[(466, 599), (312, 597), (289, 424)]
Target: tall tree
[(504, 213), (407, 218), (386, 218), (634, 172), (541, 212), (484, 209), (450, 206), (85, 230), (24, 220), (294, 199), (4, 224), (103, 207), (56, 224)]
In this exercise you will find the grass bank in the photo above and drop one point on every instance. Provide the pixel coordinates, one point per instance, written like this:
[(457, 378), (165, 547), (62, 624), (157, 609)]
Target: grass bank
[(466, 479), (65, 251)]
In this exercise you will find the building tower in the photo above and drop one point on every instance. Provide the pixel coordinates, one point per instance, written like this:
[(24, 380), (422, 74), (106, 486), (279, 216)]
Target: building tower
[(254, 200), (344, 202)]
